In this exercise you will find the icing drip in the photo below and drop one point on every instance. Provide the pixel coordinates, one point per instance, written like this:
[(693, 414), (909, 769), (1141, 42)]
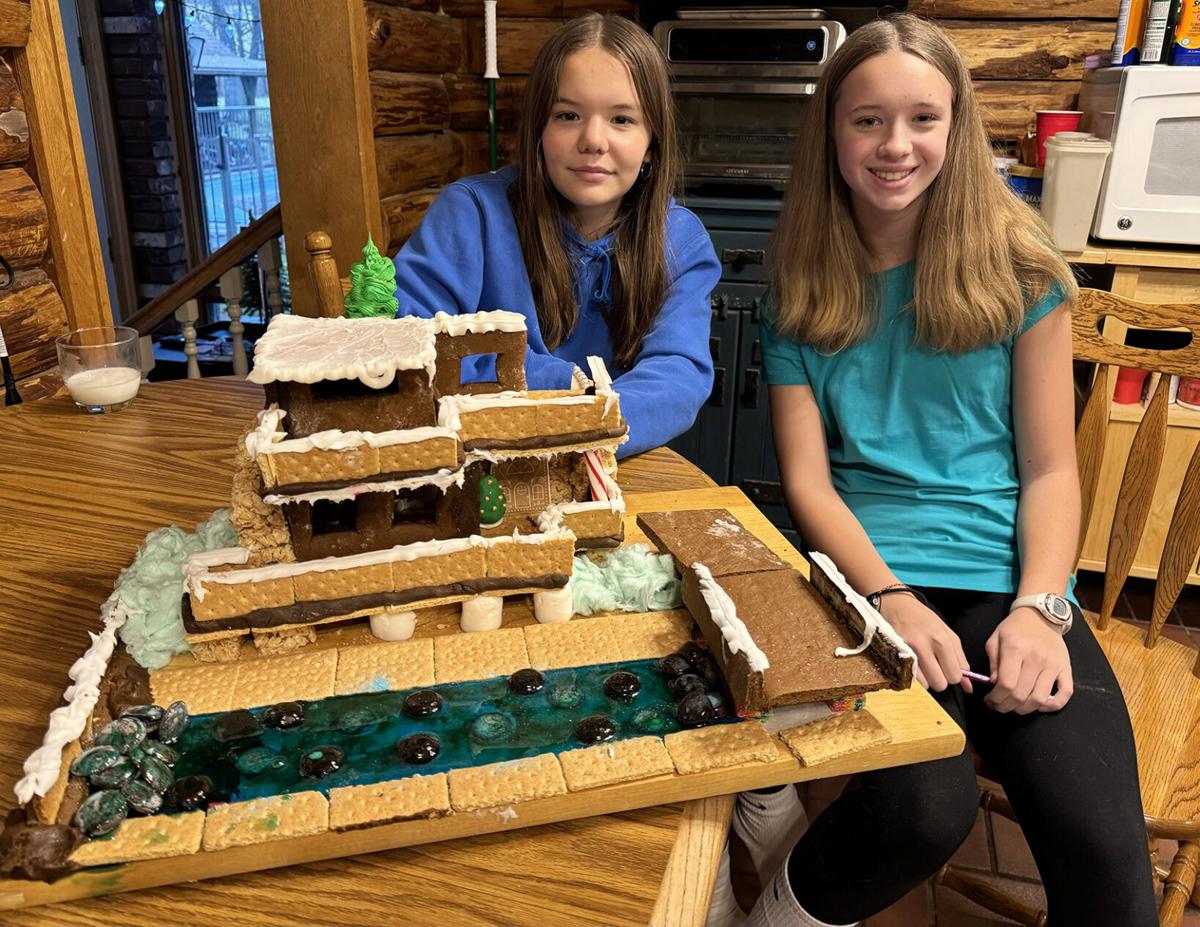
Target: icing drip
[(496, 455), (42, 767), (873, 622), (443, 480), (724, 615), (297, 349)]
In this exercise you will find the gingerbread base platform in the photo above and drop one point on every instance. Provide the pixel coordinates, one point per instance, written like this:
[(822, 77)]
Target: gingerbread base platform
[(914, 726)]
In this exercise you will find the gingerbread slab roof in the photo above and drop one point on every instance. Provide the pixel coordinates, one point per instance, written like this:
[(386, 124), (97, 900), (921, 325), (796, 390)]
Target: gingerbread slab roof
[(297, 349), (709, 536)]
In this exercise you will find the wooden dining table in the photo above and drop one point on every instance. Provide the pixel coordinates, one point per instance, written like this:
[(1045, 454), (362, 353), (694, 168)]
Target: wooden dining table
[(79, 493)]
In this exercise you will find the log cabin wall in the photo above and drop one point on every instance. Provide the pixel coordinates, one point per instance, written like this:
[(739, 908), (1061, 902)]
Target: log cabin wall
[(47, 224), (425, 59), (1024, 55)]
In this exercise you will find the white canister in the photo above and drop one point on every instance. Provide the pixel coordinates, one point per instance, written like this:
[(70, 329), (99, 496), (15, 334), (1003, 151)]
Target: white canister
[(1071, 186)]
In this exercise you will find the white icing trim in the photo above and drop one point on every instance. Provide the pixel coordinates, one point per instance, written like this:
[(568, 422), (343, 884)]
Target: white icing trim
[(873, 622), (443, 480), (491, 320), (297, 349), (43, 766), (498, 455), (552, 516), (334, 440), (604, 383), (196, 571), (451, 407), (724, 615)]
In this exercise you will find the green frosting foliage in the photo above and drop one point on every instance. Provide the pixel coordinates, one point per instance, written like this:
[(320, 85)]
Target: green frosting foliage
[(152, 587), (372, 286), (491, 501), (628, 579)]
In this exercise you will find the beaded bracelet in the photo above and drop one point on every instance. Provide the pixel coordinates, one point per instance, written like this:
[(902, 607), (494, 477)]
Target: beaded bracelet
[(876, 597)]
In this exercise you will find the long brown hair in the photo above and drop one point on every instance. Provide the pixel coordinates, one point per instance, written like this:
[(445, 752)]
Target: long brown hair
[(982, 255), (639, 277)]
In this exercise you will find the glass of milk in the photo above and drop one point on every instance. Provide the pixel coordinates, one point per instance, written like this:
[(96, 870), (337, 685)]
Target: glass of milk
[(100, 367)]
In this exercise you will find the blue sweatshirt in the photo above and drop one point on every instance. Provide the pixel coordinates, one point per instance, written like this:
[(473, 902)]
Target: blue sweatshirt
[(465, 255)]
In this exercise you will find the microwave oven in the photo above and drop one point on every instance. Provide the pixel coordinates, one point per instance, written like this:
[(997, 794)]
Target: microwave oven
[(1151, 189)]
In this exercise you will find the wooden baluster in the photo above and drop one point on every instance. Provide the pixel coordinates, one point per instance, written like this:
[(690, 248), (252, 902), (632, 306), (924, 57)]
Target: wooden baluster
[(188, 314), (1134, 498), (1179, 885), (232, 292), (146, 355), (270, 262), (1179, 549), (322, 270)]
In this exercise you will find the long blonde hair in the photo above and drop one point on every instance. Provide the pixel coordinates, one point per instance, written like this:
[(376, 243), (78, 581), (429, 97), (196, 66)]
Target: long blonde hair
[(982, 255), (639, 278)]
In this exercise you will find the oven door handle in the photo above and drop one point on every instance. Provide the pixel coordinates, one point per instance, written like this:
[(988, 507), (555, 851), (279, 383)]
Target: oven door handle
[(792, 88)]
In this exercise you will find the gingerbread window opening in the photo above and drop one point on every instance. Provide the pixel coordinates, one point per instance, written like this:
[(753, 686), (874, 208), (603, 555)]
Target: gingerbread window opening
[(480, 369), (416, 506), (336, 390), (334, 516)]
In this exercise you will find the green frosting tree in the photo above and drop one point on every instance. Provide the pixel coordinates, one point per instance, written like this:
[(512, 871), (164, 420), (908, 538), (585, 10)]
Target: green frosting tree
[(491, 501), (372, 286)]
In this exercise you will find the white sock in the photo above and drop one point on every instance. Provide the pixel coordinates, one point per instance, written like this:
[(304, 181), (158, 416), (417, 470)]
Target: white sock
[(778, 907), (723, 910), (769, 824)]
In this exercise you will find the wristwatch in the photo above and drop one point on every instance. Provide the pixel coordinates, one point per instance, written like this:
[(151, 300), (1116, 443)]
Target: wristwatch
[(1053, 607)]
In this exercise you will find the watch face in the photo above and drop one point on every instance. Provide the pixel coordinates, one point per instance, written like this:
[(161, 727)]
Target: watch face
[(1059, 607)]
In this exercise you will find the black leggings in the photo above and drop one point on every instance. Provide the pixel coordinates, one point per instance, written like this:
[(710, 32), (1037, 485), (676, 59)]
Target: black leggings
[(1071, 777)]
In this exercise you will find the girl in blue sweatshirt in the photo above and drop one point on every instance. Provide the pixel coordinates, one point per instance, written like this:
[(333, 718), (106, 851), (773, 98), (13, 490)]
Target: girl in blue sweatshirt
[(582, 235)]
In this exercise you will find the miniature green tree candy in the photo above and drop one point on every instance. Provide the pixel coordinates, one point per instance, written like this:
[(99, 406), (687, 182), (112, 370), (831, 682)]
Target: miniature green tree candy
[(372, 286), (491, 501)]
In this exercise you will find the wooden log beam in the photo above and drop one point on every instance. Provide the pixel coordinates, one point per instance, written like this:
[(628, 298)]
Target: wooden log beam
[(468, 101), (544, 8), (1052, 49), (400, 39), (517, 42), (408, 103), (475, 155), (24, 222), (44, 75), (429, 6), (414, 162), (572, 8), (32, 315), (14, 23), (402, 214), (1015, 9), (14, 127), (1008, 105)]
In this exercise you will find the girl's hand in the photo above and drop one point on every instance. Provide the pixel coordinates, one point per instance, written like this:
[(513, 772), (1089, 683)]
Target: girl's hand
[(1028, 657), (940, 658)]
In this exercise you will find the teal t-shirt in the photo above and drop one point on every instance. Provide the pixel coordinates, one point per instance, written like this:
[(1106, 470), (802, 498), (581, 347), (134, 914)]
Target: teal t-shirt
[(921, 444)]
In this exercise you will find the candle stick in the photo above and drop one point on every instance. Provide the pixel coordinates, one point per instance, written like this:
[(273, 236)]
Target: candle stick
[(11, 396), (491, 75)]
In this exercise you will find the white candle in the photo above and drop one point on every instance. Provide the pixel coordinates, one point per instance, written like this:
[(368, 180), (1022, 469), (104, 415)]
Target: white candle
[(104, 386)]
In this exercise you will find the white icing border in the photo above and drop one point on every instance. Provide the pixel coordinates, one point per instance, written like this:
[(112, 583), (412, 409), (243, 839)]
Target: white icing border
[(44, 765), (335, 440), (443, 480), (196, 570), (724, 615), (475, 323), (874, 622), (450, 408), (552, 516)]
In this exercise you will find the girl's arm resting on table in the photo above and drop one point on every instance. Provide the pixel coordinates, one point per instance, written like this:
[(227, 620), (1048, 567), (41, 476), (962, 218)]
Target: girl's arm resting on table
[(1029, 657), (673, 375), (827, 525)]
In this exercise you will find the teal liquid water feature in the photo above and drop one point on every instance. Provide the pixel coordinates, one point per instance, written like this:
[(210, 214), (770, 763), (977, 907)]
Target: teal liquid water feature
[(479, 722)]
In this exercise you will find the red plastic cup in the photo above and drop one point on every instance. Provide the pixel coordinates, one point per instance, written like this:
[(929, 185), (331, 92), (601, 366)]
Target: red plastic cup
[(1130, 381), (1188, 395), (1050, 122)]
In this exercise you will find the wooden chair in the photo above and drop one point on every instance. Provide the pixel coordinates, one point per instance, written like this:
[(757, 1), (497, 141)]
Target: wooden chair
[(1159, 677)]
